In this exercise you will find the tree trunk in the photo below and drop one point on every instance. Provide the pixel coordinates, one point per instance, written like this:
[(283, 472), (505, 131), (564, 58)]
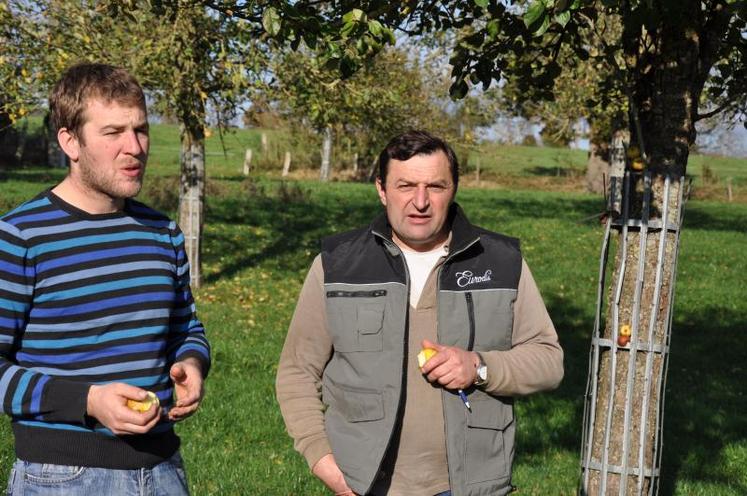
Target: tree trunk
[(5, 127), (23, 133), (192, 195), (597, 168), (55, 155), (326, 154), (627, 376)]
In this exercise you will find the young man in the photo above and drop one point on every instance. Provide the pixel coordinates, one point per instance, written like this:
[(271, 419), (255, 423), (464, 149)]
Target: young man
[(96, 310), (367, 418)]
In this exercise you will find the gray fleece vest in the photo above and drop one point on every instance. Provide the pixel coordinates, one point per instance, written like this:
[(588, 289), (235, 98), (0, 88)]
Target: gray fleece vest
[(363, 388)]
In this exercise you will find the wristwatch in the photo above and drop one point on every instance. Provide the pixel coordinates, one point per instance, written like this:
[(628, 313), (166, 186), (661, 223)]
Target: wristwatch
[(482, 372)]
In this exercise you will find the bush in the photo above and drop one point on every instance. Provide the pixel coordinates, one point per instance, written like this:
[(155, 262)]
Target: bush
[(162, 193), (708, 175)]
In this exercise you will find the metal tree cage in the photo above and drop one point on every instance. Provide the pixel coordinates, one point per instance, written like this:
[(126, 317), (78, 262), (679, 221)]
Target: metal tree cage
[(636, 349)]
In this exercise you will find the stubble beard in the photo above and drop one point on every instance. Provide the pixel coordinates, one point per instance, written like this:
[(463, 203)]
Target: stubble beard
[(109, 185)]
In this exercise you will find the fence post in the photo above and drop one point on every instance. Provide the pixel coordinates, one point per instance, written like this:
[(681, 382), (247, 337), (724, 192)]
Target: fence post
[(286, 163), (247, 161)]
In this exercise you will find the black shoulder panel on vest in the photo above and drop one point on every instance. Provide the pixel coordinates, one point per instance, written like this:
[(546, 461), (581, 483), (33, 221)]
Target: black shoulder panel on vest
[(494, 262), (359, 257)]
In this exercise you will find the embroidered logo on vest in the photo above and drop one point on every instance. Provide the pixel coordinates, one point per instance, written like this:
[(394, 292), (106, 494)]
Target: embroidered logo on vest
[(464, 279)]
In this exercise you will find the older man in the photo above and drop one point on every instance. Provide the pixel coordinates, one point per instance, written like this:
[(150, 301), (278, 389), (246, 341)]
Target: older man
[(368, 418), (97, 319)]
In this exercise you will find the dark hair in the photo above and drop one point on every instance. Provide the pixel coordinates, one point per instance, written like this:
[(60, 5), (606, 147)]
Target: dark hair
[(80, 83), (414, 142)]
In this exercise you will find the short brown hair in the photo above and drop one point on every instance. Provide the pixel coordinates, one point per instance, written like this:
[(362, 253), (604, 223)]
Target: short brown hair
[(83, 81), (415, 142)]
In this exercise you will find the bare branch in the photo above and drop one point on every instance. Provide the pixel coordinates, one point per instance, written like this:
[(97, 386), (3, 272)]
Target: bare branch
[(713, 112)]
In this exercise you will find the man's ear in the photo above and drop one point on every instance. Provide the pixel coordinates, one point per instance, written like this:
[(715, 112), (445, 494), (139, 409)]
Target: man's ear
[(382, 192), (69, 143)]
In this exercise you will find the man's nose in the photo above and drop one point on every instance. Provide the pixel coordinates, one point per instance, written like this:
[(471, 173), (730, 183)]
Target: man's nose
[(135, 143), (421, 199)]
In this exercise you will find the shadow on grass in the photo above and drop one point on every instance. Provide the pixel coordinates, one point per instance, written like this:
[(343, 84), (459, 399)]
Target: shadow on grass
[(487, 209), (574, 325), (32, 176), (291, 226), (731, 218), (704, 402), (554, 171)]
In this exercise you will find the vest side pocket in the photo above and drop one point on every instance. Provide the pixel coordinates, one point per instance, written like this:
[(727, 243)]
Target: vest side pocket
[(488, 439), (347, 406)]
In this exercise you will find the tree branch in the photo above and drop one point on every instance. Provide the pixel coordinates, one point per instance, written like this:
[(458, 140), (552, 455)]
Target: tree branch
[(713, 112)]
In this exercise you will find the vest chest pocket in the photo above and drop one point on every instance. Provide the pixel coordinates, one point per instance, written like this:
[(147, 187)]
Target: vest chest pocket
[(494, 316), (356, 319), (490, 439)]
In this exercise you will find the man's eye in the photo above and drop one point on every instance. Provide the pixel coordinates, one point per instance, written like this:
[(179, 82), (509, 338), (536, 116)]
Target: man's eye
[(405, 187), (436, 187)]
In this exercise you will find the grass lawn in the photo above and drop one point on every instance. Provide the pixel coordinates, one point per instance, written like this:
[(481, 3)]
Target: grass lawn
[(262, 235)]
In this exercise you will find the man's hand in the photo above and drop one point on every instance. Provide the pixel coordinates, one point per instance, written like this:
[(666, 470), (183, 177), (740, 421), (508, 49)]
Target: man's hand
[(452, 367), (187, 377), (108, 404), (327, 471)]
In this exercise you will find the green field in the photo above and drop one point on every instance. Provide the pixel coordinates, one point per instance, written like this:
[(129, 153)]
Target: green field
[(500, 165), (262, 234)]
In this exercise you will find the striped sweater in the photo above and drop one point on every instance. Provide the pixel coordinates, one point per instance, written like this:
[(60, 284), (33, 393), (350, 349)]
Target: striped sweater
[(91, 299)]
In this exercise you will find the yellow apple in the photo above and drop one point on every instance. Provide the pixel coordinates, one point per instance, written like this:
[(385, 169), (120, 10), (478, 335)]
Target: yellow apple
[(425, 355), (144, 406)]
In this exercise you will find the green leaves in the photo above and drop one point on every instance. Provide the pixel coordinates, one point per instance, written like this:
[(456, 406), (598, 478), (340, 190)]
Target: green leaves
[(541, 14), (536, 18), (562, 18), (353, 21), (493, 28), (458, 89), (271, 21), (354, 16)]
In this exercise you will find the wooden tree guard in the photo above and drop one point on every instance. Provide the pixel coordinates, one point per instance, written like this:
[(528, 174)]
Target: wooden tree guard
[(640, 362), (193, 234)]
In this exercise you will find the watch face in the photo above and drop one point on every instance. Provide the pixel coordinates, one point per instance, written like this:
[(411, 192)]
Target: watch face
[(482, 372)]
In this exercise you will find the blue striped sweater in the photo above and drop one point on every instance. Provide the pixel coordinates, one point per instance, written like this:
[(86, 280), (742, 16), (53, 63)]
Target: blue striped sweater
[(91, 299)]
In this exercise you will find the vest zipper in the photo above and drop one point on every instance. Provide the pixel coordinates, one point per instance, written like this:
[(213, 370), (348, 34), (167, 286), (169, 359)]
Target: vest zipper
[(471, 314), (405, 350), (471, 339), (356, 294)]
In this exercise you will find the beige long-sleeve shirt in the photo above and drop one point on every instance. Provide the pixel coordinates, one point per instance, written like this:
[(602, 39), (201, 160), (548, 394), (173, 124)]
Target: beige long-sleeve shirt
[(534, 363)]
